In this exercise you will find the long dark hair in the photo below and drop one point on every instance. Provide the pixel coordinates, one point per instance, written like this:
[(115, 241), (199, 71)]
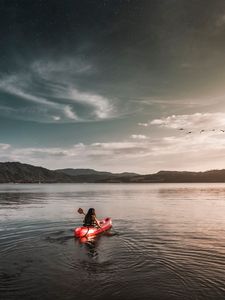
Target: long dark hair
[(89, 220), (91, 212)]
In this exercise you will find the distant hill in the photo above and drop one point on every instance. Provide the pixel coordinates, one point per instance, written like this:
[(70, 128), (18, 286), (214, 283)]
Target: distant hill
[(75, 172), (90, 175), (174, 177), (24, 173)]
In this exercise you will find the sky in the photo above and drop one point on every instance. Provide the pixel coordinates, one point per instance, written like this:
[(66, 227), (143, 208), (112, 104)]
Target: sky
[(113, 85)]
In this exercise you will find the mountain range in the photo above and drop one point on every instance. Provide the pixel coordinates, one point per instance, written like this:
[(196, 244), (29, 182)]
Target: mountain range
[(16, 172)]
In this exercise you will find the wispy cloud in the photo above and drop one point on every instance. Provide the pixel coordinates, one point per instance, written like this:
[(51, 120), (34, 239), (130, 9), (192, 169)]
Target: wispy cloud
[(62, 86), (102, 106), (169, 102), (15, 85), (53, 86), (35, 107), (68, 65)]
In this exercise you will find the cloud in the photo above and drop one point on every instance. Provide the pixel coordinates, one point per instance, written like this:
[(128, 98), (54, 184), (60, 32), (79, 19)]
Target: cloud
[(180, 102), (102, 108), (79, 153), (141, 155), (4, 146), (62, 86), (47, 68), (53, 86), (177, 152), (14, 85), (139, 136), (197, 121), (143, 124), (56, 118), (70, 113)]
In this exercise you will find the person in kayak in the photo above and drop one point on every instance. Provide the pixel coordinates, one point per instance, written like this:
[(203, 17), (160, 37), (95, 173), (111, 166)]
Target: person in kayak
[(90, 219)]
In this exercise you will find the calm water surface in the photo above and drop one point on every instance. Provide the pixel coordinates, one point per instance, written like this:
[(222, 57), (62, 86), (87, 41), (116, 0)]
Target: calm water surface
[(167, 242)]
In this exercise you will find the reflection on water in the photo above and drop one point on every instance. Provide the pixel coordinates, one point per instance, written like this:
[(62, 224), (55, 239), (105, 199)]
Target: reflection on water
[(91, 245), (167, 242)]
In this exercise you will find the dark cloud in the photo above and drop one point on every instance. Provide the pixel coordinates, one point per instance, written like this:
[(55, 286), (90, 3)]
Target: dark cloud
[(152, 45)]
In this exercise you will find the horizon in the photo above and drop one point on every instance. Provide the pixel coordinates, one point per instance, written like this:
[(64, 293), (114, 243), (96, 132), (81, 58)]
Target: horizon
[(124, 171), (113, 85)]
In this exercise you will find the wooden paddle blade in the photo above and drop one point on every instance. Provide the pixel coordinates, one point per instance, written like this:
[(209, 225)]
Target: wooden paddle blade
[(80, 211)]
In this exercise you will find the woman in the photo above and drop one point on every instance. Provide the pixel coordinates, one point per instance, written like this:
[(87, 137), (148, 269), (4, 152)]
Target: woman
[(90, 218)]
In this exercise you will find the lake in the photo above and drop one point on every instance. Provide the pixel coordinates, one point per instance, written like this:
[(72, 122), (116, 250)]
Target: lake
[(167, 242)]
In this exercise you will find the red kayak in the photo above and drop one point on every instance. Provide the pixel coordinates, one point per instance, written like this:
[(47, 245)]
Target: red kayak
[(91, 230)]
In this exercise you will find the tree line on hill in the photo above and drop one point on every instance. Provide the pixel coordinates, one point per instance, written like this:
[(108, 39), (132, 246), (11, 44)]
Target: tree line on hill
[(16, 172)]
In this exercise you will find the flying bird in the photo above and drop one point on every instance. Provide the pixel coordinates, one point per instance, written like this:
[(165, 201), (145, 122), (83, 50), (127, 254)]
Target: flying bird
[(181, 129), (189, 132), (222, 130), (202, 131)]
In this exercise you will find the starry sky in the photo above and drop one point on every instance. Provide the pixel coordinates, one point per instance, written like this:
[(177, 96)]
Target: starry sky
[(114, 85)]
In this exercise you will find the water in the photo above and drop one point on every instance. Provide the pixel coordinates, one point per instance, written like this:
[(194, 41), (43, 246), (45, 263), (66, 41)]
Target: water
[(167, 242)]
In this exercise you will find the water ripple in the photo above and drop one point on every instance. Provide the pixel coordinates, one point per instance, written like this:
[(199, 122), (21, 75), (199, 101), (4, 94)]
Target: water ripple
[(166, 243)]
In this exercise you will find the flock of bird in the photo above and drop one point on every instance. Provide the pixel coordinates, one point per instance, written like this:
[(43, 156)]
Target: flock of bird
[(202, 130)]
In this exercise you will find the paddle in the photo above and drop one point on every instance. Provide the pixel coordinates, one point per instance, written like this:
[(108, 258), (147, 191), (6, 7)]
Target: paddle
[(80, 211)]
